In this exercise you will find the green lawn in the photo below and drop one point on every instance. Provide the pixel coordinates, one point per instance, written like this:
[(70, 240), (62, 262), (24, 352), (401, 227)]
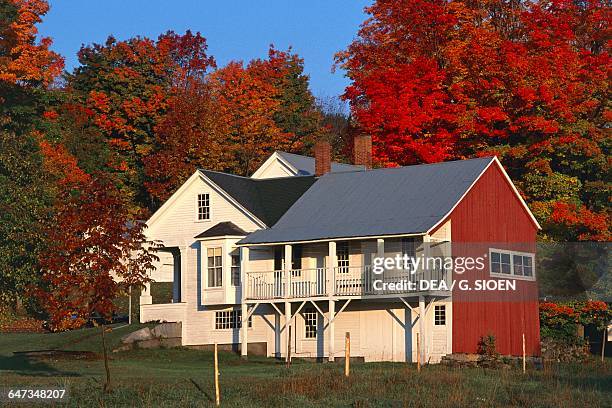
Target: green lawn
[(182, 377)]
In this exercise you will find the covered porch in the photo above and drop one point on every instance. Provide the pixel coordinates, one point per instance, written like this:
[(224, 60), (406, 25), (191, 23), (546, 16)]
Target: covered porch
[(345, 268), (313, 286)]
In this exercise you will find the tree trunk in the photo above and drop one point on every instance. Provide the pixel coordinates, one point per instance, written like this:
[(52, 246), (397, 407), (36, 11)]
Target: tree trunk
[(107, 384)]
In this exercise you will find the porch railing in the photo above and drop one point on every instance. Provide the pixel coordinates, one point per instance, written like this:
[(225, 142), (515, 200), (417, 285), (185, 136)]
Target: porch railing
[(343, 281)]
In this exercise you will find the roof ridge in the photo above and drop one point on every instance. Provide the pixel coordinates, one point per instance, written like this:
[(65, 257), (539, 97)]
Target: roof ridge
[(412, 165)]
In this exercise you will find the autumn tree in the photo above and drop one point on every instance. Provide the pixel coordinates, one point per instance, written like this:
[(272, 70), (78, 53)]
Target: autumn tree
[(96, 248), (435, 80), (127, 85), (27, 69), (247, 104), (191, 135), (297, 115), (23, 60)]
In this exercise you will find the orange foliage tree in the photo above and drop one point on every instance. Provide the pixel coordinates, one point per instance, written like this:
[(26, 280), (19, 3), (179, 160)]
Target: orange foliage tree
[(22, 59)]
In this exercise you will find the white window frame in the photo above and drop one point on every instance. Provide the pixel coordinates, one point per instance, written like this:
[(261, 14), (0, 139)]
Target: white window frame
[(439, 315), (310, 316), (234, 269), (197, 208), (231, 319), (215, 266), (511, 275)]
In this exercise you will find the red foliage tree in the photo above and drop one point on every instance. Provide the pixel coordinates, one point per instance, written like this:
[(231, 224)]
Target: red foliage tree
[(435, 80)]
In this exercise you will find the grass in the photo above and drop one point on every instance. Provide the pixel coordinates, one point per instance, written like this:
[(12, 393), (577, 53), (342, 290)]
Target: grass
[(183, 377)]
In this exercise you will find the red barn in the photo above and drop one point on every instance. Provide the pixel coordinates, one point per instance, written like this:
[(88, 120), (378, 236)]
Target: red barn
[(492, 214)]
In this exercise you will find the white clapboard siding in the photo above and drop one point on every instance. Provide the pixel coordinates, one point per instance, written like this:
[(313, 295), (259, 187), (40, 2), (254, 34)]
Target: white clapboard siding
[(176, 224)]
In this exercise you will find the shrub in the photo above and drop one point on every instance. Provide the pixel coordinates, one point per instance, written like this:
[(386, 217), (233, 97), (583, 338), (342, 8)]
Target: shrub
[(560, 321)]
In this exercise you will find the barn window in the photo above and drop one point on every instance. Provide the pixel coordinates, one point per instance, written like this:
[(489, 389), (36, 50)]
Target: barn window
[(230, 319), (215, 267), (203, 207), (511, 263), (310, 323), (440, 315)]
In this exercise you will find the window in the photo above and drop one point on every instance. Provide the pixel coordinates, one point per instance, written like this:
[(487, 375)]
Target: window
[(236, 270), (523, 265), (215, 267), (500, 263), (203, 207), (440, 315), (230, 319), (342, 255), (409, 247), (516, 264), (310, 324)]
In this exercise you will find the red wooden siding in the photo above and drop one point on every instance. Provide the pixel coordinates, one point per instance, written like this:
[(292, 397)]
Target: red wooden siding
[(491, 216)]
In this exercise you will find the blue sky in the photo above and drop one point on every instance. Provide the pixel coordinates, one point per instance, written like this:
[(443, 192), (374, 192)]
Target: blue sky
[(235, 30)]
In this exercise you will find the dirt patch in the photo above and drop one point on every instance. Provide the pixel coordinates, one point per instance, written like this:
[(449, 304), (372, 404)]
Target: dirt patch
[(59, 355)]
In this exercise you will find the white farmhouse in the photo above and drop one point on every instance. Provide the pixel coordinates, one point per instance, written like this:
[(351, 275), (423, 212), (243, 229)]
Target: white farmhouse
[(283, 260)]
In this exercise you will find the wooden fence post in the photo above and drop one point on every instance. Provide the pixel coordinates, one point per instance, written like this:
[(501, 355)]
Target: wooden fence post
[(217, 397), (347, 354), (418, 353), (524, 362)]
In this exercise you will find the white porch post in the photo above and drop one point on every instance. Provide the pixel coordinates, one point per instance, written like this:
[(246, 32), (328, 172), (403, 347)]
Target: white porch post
[(380, 252), (331, 342), (183, 272), (331, 268), (287, 328), (422, 328), (244, 260), (145, 295), (380, 247), (287, 270)]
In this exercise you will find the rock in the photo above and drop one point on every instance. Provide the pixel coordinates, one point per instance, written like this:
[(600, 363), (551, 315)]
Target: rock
[(149, 344), (167, 330), (138, 335), (170, 343)]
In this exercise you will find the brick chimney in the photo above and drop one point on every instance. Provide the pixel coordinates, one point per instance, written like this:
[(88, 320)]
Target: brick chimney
[(322, 154), (362, 151)]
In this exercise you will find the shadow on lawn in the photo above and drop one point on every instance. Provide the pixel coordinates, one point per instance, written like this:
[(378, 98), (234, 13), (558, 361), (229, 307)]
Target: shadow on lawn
[(27, 366)]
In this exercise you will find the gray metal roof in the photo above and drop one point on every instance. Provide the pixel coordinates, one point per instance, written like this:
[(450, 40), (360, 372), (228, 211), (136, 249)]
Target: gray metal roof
[(390, 201), (267, 199), (306, 165)]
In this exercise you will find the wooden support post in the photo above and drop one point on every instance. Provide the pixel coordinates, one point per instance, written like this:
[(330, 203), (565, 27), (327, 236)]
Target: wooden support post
[(217, 396), (524, 361), (288, 331), (287, 270), (347, 354), (244, 331), (418, 353), (331, 268), (330, 326), (422, 328)]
